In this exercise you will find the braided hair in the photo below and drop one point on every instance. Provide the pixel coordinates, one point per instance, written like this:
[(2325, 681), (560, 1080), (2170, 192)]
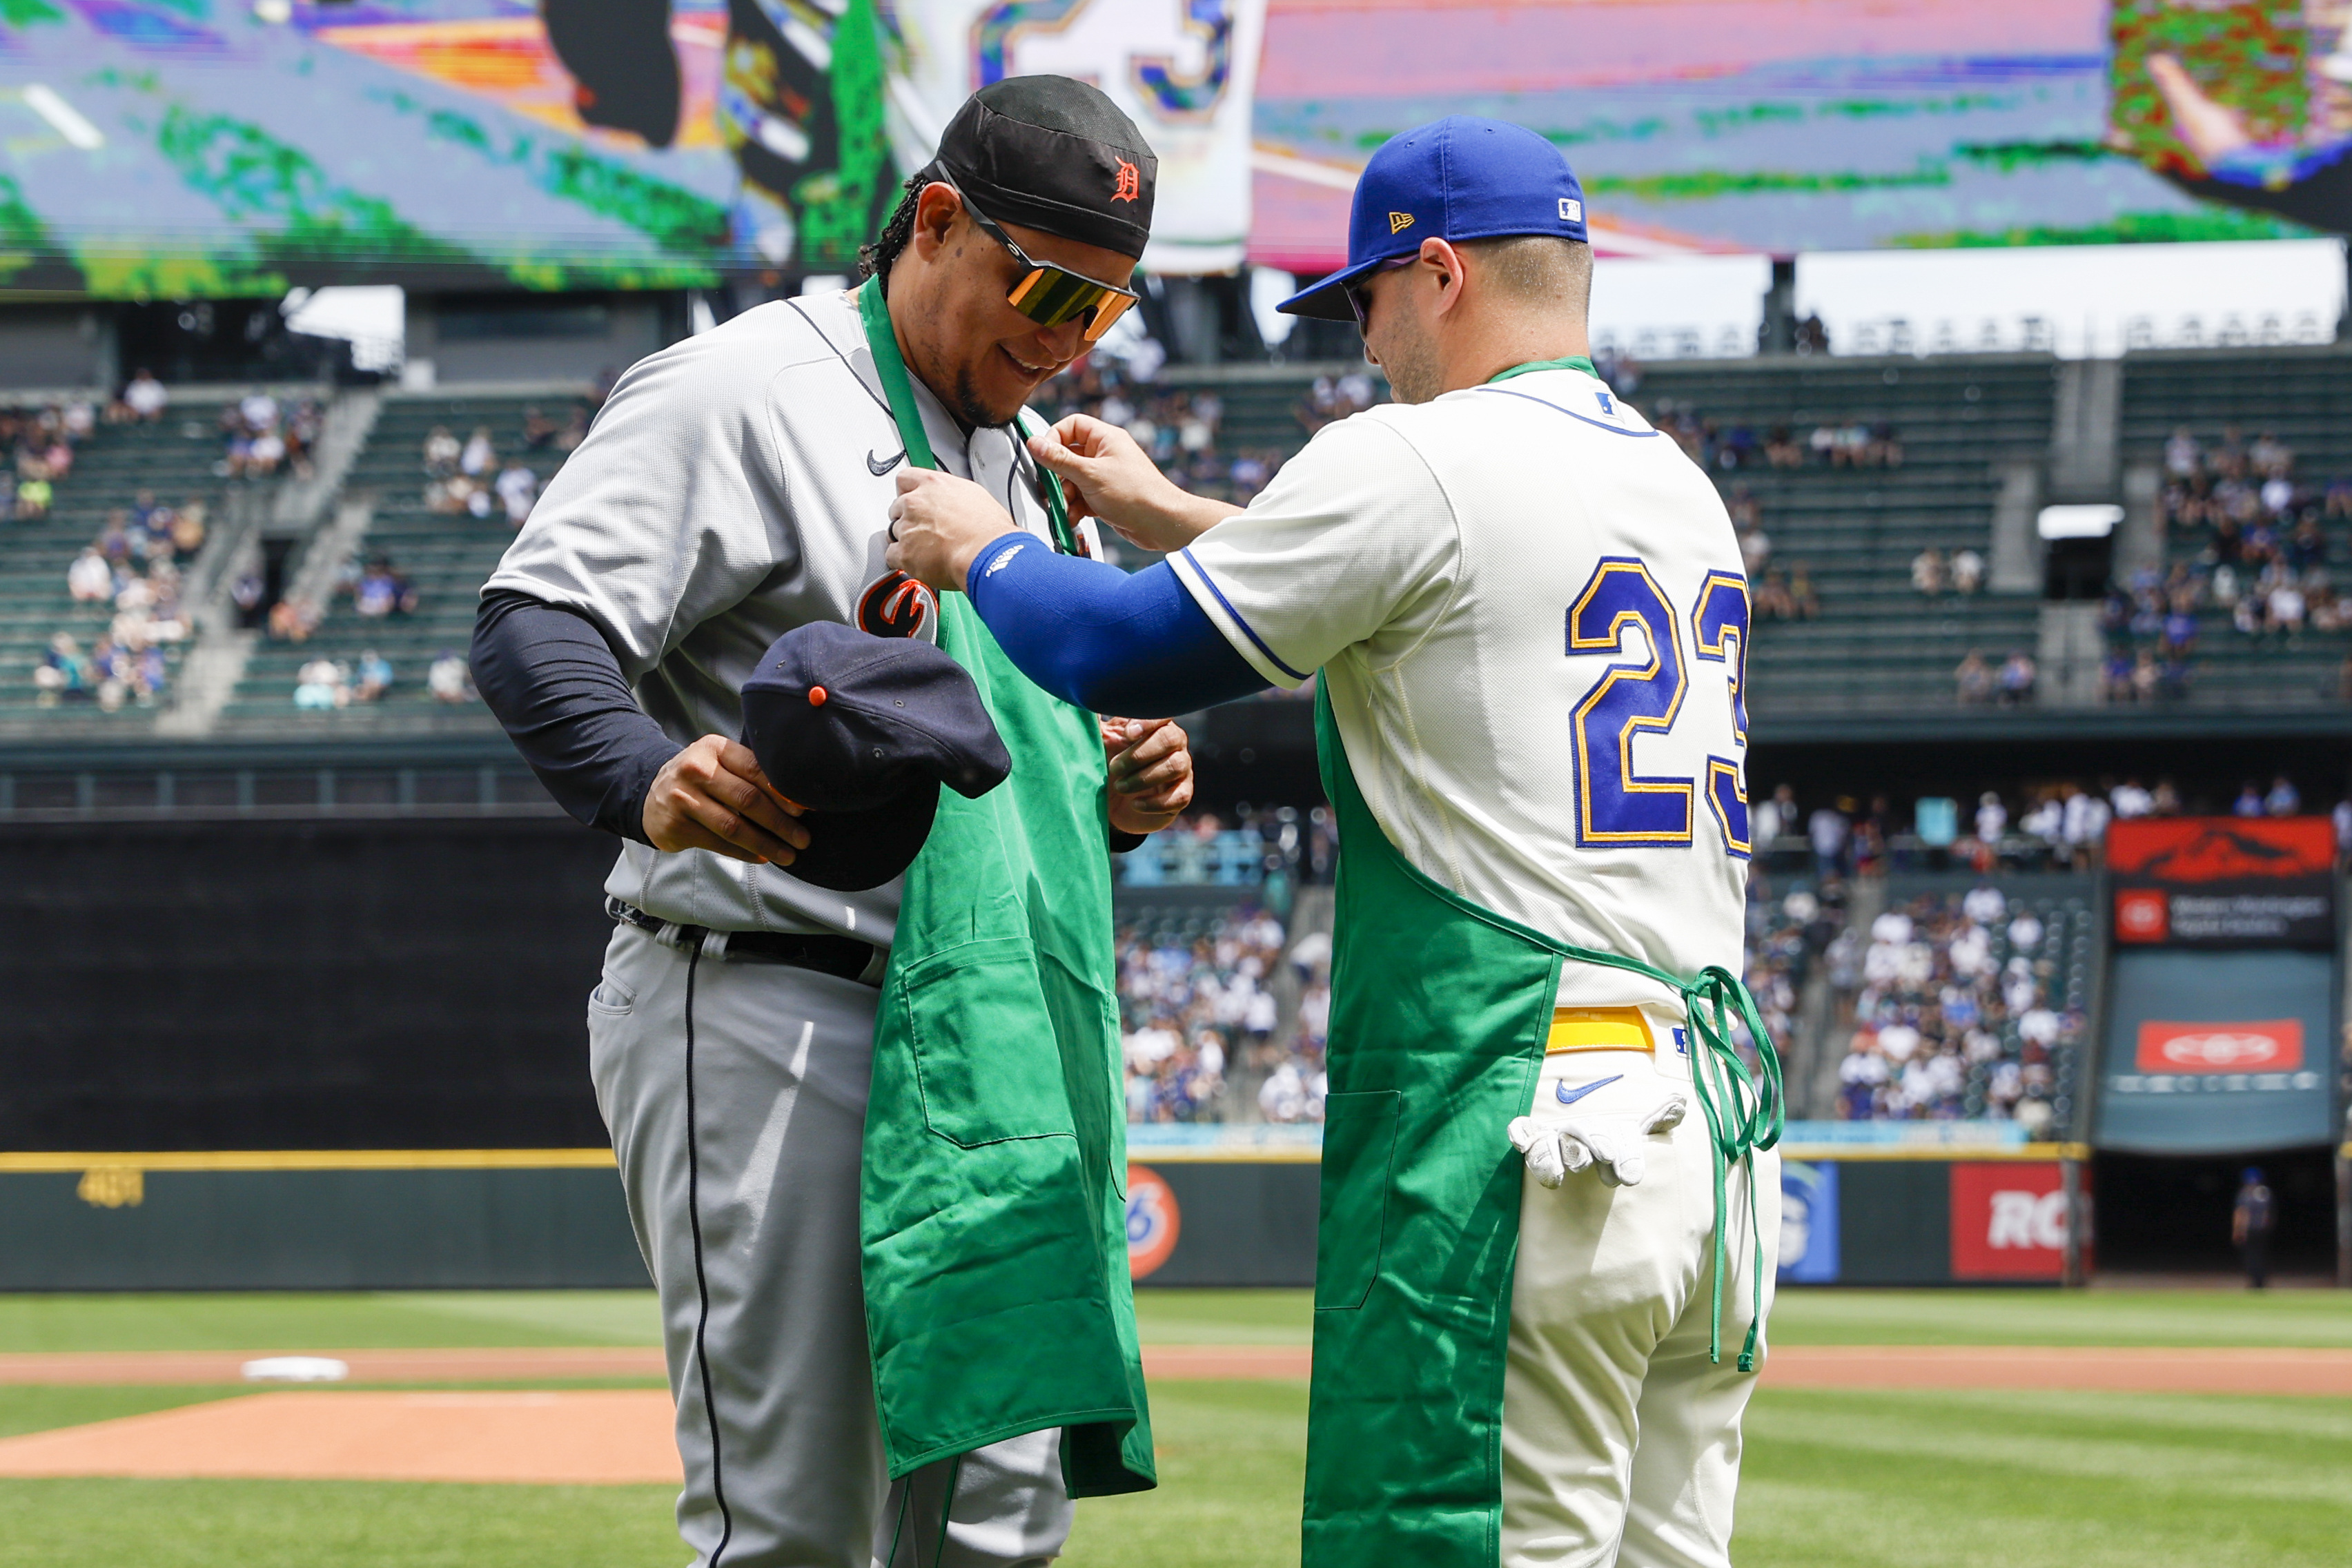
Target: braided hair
[(874, 258)]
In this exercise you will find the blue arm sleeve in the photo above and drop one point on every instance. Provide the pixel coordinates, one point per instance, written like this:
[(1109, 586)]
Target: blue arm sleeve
[(1137, 646)]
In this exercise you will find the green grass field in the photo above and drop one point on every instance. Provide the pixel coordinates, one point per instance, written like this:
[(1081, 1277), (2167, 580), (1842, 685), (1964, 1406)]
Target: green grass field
[(1834, 1480)]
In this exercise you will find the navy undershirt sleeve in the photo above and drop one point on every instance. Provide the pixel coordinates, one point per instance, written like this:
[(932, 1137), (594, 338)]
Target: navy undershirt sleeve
[(552, 679), (1138, 647)]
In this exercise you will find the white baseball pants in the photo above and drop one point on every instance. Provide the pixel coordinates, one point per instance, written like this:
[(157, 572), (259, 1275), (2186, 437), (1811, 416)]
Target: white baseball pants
[(1621, 1441)]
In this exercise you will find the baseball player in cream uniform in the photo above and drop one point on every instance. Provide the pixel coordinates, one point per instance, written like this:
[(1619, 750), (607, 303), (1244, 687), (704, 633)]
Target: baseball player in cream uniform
[(1530, 622)]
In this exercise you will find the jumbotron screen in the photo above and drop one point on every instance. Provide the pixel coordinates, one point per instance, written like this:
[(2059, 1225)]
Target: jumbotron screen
[(180, 148)]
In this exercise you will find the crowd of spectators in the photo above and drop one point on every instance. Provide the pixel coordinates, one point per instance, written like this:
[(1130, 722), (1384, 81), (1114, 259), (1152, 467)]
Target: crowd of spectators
[(1276, 848), (1960, 1003), (130, 573), (1714, 445), (472, 478), (1194, 1008), (1789, 933), (39, 444), (1775, 594), (1178, 428), (325, 683), (2249, 540), (2055, 826), (1976, 681), (1935, 574), (261, 436)]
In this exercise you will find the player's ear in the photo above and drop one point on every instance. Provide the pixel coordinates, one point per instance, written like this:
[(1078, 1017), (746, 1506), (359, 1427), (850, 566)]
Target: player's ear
[(1445, 263), (934, 215)]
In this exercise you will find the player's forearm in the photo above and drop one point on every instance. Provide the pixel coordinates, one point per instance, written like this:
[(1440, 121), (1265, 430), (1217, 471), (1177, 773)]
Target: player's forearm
[(553, 680), (1096, 636), (1179, 519)]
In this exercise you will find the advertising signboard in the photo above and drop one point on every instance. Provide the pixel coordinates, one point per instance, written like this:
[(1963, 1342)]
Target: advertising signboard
[(2009, 1221), (2224, 881)]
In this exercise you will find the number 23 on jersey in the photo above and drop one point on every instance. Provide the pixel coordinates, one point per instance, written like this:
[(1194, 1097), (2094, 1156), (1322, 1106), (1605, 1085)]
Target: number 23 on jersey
[(1615, 806)]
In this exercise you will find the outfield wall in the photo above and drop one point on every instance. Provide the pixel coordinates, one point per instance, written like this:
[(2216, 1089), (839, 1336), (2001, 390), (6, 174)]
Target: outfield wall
[(526, 1219)]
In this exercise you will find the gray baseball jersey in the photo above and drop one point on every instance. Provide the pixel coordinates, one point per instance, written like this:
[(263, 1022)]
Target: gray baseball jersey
[(735, 485)]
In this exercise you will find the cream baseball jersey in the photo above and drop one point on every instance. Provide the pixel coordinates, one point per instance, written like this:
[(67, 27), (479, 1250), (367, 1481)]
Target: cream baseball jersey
[(1531, 614)]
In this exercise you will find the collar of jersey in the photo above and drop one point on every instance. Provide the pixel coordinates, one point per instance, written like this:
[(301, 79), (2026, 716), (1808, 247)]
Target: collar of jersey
[(899, 391), (1572, 362)]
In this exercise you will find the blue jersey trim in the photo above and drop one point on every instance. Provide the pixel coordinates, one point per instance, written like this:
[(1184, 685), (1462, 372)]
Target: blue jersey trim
[(1247, 631), (1556, 408)]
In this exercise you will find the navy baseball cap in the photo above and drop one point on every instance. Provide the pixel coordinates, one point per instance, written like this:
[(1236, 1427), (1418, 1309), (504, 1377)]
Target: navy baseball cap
[(1458, 178), (863, 730)]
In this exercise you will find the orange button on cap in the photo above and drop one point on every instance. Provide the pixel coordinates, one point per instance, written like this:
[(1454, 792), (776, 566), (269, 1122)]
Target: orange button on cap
[(816, 696)]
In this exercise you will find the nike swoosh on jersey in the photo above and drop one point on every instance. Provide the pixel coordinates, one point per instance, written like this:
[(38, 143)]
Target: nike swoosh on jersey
[(879, 467), (1566, 1097)]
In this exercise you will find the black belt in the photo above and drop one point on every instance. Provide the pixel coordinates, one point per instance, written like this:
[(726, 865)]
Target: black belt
[(844, 956)]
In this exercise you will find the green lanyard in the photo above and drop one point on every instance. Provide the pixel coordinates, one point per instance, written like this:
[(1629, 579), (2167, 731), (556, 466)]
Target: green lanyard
[(1573, 362), (1744, 1112), (874, 311)]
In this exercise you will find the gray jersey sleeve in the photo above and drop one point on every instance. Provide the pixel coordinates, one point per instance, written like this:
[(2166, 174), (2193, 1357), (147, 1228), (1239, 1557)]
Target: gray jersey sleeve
[(674, 508)]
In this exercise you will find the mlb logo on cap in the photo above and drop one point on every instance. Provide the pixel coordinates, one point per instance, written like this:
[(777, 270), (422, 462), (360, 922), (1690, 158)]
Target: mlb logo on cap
[(1462, 177)]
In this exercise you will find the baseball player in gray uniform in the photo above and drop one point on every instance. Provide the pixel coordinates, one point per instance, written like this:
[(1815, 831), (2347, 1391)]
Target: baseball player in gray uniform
[(734, 486)]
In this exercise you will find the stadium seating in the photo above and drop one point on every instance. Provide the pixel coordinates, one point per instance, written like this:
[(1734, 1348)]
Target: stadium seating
[(1876, 644), (1197, 1004), (173, 458), (2303, 396), (1969, 1004), (444, 557)]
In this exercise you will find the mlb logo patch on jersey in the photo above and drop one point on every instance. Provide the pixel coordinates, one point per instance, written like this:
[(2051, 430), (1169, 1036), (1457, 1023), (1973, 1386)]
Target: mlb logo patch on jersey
[(1608, 404), (1682, 1042)]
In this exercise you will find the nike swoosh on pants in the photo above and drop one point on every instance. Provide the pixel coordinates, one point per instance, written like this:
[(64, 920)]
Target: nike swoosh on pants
[(1568, 1098)]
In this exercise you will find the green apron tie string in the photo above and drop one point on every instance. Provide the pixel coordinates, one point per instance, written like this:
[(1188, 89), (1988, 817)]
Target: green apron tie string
[(1744, 1112)]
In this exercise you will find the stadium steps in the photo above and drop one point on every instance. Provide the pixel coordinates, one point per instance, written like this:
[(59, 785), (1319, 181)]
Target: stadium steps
[(445, 558)]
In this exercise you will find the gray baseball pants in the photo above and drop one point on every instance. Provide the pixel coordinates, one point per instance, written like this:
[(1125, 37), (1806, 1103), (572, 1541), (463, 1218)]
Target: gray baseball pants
[(736, 1096)]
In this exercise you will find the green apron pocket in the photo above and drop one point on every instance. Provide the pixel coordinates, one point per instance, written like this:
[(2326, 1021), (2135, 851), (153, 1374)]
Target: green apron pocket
[(1358, 1148), (985, 1057)]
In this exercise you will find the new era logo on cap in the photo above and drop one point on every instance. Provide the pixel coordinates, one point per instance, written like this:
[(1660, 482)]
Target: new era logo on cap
[(1459, 178)]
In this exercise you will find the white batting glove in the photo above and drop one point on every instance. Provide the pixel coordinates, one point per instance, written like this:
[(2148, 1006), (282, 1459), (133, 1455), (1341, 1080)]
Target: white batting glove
[(1610, 1142)]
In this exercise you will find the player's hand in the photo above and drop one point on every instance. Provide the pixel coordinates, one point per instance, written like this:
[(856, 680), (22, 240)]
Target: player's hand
[(1151, 765), (1108, 476), (937, 523), (712, 795)]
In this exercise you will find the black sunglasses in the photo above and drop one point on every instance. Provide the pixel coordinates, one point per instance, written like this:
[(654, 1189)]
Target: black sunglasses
[(1050, 294), (1360, 302)]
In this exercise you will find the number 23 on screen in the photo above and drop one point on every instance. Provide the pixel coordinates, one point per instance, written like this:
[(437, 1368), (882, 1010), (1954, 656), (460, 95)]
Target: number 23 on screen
[(1615, 806)]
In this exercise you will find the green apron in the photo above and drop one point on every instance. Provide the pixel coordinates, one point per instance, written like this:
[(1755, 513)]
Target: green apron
[(1439, 1011), (993, 1208)]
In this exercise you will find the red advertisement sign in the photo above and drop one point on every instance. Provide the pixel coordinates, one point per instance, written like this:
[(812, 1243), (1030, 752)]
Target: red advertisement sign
[(2224, 881), (2009, 1221), (2272, 1046), (1153, 1220), (2221, 848)]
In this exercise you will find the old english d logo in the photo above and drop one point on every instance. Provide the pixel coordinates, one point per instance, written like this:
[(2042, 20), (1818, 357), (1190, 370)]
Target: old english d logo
[(894, 605), (1131, 184), (1400, 222)]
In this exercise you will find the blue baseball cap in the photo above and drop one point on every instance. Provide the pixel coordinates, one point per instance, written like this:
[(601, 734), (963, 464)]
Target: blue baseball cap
[(1458, 178)]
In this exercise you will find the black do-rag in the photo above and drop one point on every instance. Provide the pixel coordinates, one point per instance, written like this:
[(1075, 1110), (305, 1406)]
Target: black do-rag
[(1052, 154)]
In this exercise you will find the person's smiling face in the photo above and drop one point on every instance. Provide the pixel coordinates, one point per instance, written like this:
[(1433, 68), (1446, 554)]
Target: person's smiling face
[(981, 357)]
